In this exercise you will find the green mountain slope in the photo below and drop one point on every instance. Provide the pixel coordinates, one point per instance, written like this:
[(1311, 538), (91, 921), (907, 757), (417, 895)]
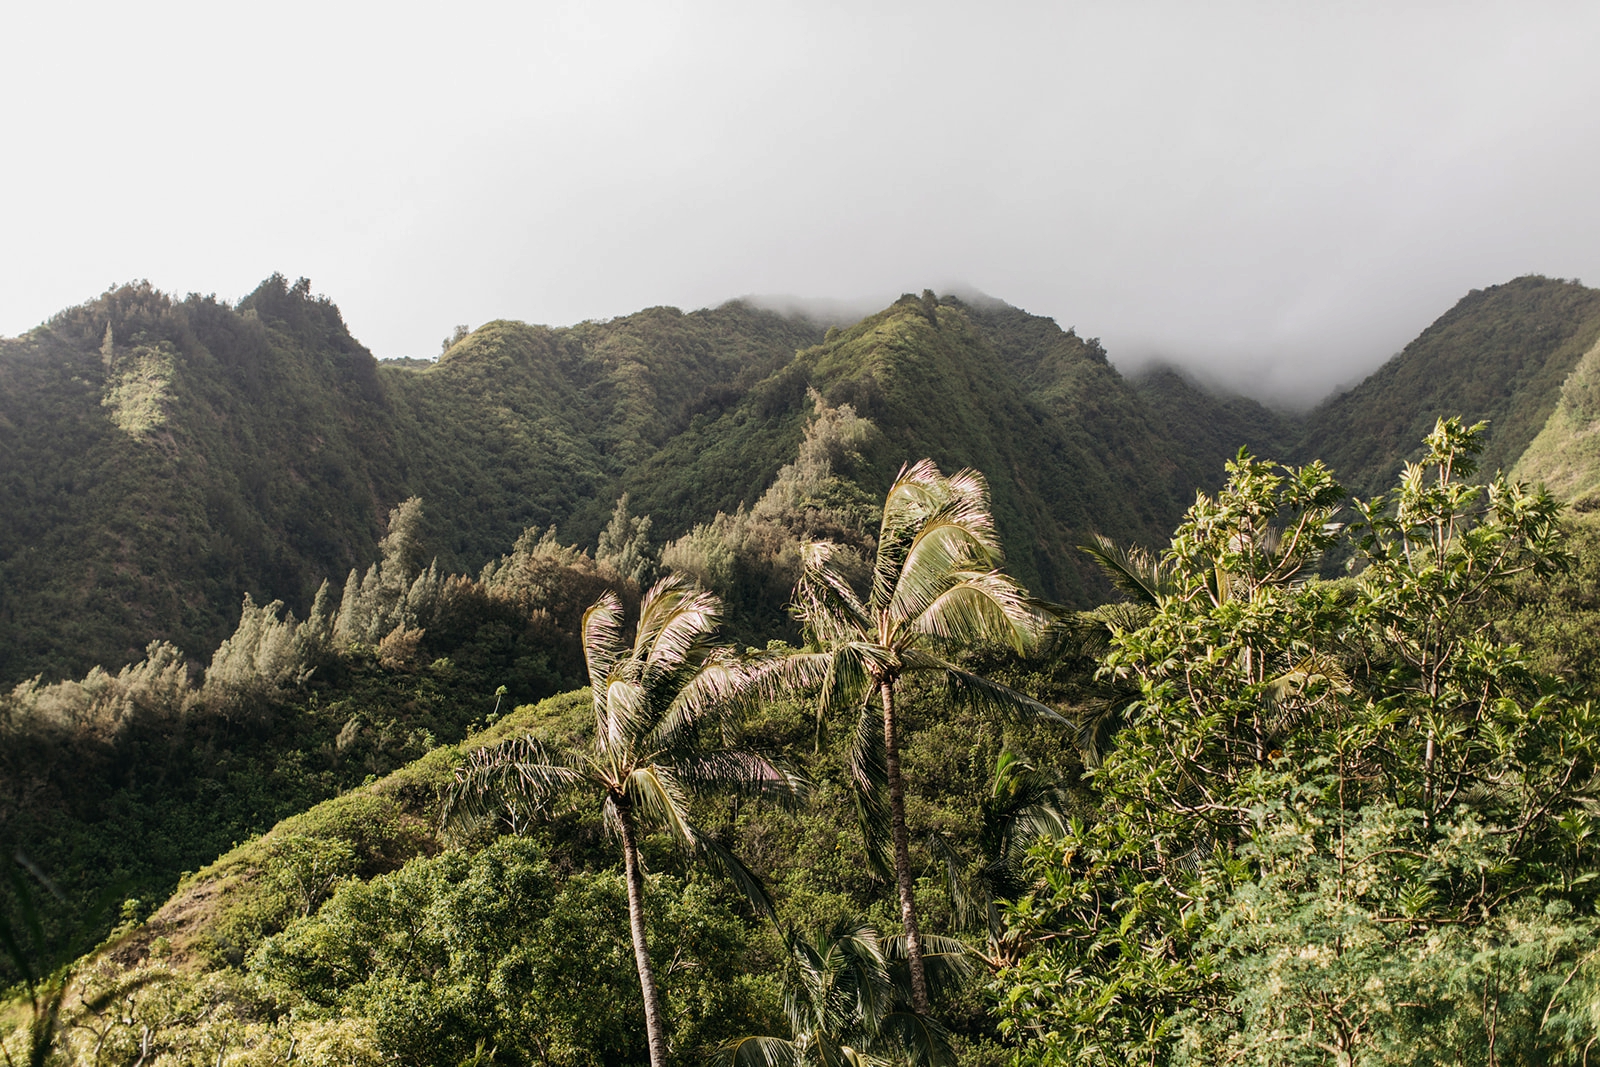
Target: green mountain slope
[(206, 451), (1565, 456), (1500, 354), (520, 425), (153, 475), (1066, 444), (1206, 430), (162, 458)]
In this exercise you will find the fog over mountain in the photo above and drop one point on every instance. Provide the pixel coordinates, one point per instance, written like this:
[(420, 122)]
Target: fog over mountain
[(1277, 197)]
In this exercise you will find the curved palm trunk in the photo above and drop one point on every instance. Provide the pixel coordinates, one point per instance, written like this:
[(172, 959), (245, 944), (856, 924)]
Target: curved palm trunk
[(902, 850), (654, 1033)]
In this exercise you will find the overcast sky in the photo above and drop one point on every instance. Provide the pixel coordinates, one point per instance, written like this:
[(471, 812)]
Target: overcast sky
[(1279, 195)]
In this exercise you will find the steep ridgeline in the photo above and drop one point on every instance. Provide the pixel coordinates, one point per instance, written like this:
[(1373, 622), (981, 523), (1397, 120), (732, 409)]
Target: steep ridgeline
[(157, 459), (520, 425), (160, 458), (1500, 354), (1068, 447)]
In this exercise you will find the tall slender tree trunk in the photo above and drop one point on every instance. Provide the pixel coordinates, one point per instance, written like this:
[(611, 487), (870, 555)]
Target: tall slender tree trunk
[(641, 952), (902, 851)]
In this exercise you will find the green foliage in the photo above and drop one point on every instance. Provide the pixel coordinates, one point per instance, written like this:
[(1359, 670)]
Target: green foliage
[(1556, 618), (846, 1000), (152, 771), (167, 457), (499, 950), (1343, 824), (625, 545), (1343, 818), (935, 584), (1205, 429), (752, 558), (164, 458), (666, 711), (1064, 439)]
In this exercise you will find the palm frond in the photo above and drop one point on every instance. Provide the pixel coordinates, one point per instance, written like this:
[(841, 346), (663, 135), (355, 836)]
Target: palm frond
[(954, 876), (868, 761), (1098, 721), (660, 799), (1306, 672), (830, 1052), (1025, 805), (823, 599), (948, 960), (714, 695), (923, 1041), (1136, 572), (976, 607), (869, 778), (992, 698), (514, 773), (918, 489), (676, 622), (917, 492), (939, 549), (602, 638), (737, 771), (758, 1052), (778, 675), (749, 884), (623, 715), (848, 683), (856, 971)]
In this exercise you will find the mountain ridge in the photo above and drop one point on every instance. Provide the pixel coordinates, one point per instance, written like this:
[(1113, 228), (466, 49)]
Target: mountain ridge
[(164, 457)]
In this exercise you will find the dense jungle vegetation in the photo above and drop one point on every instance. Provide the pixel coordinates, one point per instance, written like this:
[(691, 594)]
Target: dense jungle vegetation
[(776, 760), (1287, 818), (162, 458)]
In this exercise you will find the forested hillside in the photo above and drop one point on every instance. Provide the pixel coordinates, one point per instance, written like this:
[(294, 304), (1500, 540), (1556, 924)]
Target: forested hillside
[(1061, 830), (166, 457), (1205, 426), (649, 644), (163, 458), (160, 459), (1068, 446), (1501, 355)]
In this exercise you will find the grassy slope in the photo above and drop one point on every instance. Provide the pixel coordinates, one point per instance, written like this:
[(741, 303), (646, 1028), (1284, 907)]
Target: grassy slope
[(1565, 456), (227, 903)]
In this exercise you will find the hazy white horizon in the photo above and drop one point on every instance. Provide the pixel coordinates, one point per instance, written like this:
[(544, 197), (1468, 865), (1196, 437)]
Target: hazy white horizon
[(1276, 197)]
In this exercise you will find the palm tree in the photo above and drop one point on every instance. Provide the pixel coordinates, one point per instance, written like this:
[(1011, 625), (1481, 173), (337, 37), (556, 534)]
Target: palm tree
[(664, 711), (1025, 805), (846, 1008), (936, 586)]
